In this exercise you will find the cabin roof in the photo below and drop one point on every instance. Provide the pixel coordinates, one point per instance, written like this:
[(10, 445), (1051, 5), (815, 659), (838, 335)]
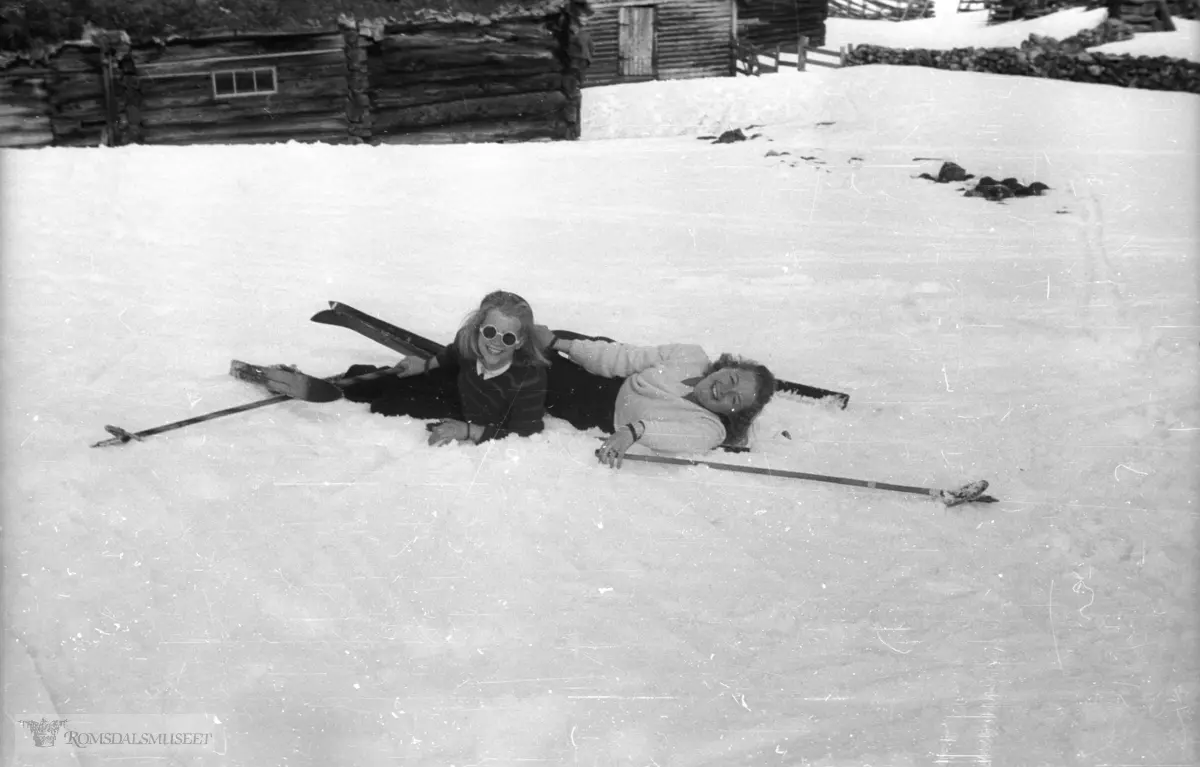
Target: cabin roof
[(260, 19)]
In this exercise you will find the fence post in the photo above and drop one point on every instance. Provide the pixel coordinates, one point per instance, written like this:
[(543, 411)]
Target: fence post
[(802, 53), (845, 49)]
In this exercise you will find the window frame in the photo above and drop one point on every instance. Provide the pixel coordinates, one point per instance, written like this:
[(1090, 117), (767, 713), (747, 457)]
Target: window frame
[(253, 72)]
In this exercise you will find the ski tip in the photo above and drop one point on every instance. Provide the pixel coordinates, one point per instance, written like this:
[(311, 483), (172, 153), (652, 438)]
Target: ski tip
[(325, 316), (121, 434)]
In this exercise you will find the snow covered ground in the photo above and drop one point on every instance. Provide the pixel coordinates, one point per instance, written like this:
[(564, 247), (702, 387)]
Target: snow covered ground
[(335, 592)]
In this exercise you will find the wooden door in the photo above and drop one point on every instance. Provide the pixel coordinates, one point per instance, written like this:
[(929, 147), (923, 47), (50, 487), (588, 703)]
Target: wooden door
[(636, 42)]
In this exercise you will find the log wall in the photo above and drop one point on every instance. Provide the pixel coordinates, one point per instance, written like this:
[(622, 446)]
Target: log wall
[(78, 103), (448, 83), (765, 24), (173, 95), (25, 107), (693, 38)]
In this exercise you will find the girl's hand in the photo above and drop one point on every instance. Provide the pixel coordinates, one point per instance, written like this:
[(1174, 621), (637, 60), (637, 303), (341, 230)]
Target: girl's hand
[(449, 431), (410, 366), (612, 452), (542, 336)]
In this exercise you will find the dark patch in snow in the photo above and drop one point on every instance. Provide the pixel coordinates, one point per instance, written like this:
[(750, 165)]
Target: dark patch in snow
[(731, 136), (987, 187)]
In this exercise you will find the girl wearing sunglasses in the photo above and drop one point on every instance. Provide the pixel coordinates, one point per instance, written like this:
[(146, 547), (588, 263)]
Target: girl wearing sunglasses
[(489, 383)]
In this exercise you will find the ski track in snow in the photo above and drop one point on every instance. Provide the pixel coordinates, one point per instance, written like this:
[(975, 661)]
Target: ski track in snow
[(336, 592)]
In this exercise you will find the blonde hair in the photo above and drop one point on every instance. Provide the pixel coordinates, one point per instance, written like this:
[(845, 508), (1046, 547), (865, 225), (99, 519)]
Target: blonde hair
[(509, 304)]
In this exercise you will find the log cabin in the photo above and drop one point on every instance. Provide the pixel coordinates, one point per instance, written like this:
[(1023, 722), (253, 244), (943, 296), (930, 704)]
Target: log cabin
[(418, 76), (661, 40)]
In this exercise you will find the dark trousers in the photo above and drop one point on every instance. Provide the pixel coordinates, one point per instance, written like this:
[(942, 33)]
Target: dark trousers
[(429, 395), (583, 399)]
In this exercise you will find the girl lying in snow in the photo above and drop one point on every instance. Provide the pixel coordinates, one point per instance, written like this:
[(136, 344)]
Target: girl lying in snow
[(670, 398), (487, 384)]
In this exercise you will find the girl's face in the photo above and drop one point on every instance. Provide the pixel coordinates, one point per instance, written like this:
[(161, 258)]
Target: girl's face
[(494, 352), (727, 390)]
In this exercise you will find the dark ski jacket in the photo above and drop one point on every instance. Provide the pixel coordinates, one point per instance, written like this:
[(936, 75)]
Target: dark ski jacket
[(513, 402)]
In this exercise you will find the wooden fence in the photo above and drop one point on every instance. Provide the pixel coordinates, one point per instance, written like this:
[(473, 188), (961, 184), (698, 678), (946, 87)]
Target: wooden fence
[(889, 10), (800, 56)]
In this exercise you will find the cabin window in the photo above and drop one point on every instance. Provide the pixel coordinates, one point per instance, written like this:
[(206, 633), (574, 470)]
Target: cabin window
[(244, 82)]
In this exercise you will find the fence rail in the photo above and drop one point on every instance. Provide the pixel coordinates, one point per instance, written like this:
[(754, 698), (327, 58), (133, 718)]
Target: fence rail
[(892, 10), (756, 61)]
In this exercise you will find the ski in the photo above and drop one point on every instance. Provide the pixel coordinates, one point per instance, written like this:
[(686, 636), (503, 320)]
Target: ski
[(394, 338), (972, 492), (407, 342), (285, 379)]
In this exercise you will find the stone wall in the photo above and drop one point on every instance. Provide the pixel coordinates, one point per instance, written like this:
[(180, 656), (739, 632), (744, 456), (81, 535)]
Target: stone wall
[(1046, 57)]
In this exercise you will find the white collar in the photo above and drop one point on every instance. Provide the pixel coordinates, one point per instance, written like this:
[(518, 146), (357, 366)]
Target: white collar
[(487, 374)]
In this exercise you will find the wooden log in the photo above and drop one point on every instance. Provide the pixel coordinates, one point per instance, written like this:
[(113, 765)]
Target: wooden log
[(293, 126), (75, 87), (490, 108), (26, 140), (382, 79), (222, 113), (198, 51), (80, 138), (421, 59), (457, 90), (82, 108), (21, 125), (531, 26), (191, 66), (480, 132), (438, 39), (15, 110), (208, 139)]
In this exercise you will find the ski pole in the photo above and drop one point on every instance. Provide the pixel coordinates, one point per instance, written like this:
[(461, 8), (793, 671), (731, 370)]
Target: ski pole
[(121, 436), (969, 493)]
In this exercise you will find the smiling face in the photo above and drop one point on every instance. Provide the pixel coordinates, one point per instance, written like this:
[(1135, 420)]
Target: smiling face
[(727, 390), (492, 352)]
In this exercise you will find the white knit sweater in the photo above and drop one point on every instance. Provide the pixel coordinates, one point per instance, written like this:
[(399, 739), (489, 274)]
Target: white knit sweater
[(654, 392)]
